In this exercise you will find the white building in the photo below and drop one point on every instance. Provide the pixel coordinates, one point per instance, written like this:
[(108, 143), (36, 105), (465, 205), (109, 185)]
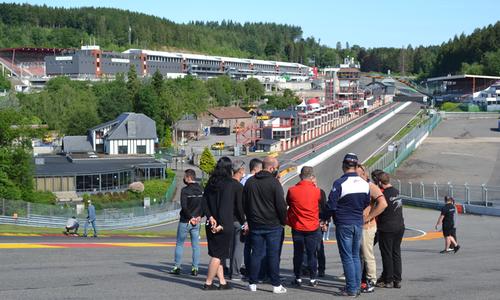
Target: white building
[(130, 133), (489, 98)]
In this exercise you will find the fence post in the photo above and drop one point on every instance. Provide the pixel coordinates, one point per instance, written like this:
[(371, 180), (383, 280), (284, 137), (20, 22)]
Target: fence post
[(450, 189), (3, 207), (422, 189), (486, 196), (28, 208), (411, 189), (467, 193), (483, 194), (436, 191), (399, 185)]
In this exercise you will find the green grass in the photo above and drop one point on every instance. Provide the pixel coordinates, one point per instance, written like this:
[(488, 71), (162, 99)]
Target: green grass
[(373, 159), (418, 120), (16, 229), (170, 233)]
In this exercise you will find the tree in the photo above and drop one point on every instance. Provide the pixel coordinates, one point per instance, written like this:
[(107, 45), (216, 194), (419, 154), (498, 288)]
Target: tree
[(338, 47), (4, 83), (207, 161), (167, 140), (113, 98), (157, 81), (491, 63), (16, 169), (254, 89), (473, 69), (133, 85), (288, 99)]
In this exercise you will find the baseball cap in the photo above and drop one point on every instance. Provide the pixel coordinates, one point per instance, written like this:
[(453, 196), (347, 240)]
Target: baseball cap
[(350, 159)]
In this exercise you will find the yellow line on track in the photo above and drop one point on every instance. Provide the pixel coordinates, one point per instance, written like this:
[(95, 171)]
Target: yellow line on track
[(27, 246), (425, 236)]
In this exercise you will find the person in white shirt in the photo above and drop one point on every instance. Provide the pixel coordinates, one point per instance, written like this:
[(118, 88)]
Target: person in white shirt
[(72, 224), (255, 167)]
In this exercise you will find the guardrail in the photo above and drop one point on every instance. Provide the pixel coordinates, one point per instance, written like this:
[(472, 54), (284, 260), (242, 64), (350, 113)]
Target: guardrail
[(44, 215), (33, 214), (478, 195), (403, 148), (469, 115)]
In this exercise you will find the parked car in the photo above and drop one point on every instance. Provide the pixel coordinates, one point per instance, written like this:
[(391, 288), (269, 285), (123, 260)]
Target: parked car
[(218, 146)]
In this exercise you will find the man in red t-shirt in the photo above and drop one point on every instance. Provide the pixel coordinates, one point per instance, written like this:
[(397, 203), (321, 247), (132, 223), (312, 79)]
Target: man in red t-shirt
[(303, 201)]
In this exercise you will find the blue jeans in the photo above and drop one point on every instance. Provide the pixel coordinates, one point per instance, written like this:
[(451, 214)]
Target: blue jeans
[(194, 232), (265, 243), (349, 241), (87, 225)]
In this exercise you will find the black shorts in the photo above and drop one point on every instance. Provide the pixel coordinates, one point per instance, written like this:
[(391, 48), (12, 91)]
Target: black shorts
[(448, 231)]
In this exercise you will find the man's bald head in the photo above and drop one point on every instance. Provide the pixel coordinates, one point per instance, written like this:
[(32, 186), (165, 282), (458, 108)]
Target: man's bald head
[(270, 163)]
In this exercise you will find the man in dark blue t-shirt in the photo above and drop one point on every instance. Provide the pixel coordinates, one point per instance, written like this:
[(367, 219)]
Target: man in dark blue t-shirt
[(349, 196)]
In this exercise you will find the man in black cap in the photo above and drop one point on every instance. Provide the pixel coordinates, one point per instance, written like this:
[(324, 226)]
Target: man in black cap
[(349, 196)]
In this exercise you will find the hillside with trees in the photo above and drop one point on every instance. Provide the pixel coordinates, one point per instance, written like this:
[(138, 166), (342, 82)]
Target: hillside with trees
[(43, 26)]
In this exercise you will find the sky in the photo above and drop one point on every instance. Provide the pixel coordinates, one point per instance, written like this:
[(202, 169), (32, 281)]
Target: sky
[(382, 23)]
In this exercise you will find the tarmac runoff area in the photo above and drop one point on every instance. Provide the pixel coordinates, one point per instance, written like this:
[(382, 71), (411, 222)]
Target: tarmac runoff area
[(457, 151)]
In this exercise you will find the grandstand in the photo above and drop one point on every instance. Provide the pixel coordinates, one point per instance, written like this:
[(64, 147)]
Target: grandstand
[(26, 62), (92, 62), (34, 66)]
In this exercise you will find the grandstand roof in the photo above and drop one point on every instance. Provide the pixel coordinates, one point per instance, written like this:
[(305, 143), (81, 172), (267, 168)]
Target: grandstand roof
[(216, 58), (463, 76), (31, 49)]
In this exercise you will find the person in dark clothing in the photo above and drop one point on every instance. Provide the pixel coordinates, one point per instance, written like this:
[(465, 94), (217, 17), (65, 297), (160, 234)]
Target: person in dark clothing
[(239, 224), (447, 220), (219, 198), (390, 228), (255, 166), (189, 222), (265, 210), (324, 228)]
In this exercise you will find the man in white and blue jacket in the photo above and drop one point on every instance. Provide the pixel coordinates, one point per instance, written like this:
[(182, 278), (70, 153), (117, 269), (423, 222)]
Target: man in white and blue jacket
[(349, 196)]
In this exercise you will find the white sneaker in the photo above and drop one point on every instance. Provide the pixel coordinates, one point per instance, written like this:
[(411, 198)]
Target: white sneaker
[(279, 289), (252, 287)]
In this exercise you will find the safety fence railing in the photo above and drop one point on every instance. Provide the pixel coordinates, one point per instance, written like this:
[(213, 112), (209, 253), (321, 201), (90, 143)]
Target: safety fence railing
[(482, 195), (469, 115), (398, 151), (45, 215)]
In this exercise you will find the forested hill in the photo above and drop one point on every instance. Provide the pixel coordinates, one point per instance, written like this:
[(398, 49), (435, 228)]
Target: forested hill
[(42, 26)]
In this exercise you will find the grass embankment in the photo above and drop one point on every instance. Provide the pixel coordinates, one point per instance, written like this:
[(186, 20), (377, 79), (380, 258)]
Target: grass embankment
[(28, 230), (154, 189), (16, 230), (419, 119), (373, 159)]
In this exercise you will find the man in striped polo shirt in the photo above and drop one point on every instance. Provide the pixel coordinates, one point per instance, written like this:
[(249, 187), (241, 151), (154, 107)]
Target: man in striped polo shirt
[(349, 196)]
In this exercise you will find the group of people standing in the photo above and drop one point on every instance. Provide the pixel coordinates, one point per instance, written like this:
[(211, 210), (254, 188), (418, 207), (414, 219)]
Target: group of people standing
[(246, 214)]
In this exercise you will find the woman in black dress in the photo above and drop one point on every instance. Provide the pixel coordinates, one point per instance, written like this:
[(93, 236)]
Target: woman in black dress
[(219, 205)]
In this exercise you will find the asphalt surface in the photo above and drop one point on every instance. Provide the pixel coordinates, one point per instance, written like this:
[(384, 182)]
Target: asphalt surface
[(142, 272), (457, 151), (331, 169)]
